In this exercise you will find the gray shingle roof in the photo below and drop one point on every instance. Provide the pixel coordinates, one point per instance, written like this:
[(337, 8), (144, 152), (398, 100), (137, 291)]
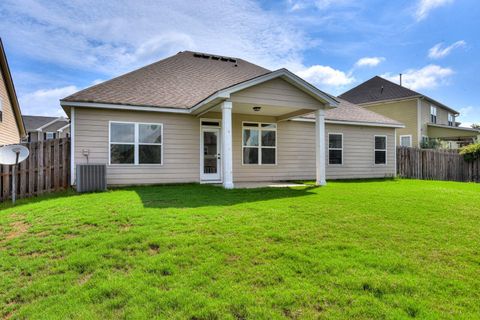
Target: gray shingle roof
[(350, 112), (379, 89), (34, 122), (179, 81)]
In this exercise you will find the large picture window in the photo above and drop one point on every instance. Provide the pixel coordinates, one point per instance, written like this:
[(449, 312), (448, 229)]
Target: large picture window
[(136, 143), (259, 143), (335, 148), (380, 150)]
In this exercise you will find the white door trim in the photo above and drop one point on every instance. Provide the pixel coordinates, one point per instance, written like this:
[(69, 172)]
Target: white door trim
[(205, 177)]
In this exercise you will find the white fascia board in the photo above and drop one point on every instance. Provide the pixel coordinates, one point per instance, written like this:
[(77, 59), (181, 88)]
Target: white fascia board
[(354, 123), (40, 129), (121, 107), (63, 128), (281, 73)]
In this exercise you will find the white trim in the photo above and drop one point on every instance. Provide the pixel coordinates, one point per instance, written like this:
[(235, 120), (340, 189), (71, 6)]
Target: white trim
[(341, 149), (227, 145), (395, 151), (354, 123), (389, 101), (63, 128), (201, 148), (72, 146), (403, 136), (121, 107), (136, 144), (375, 150), (320, 167), (203, 176), (259, 147), (49, 123), (436, 125), (284, 73)]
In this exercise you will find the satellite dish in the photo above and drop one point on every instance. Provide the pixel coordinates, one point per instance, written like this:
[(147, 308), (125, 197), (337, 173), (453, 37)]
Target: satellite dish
[(13, 154)]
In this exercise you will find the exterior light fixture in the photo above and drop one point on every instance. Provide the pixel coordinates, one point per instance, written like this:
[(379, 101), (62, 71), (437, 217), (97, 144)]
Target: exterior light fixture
[(256, 109)]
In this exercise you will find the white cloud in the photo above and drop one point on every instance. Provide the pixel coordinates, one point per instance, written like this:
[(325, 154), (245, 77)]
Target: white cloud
[(45, 101), (325, 76), (296, 5), (437, 51), (114, 37), (465, 111), (428, 77), (424, 7), (369, 61)]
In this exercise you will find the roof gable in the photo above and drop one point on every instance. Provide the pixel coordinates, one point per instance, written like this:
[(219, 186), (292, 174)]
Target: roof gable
[(378, 89)]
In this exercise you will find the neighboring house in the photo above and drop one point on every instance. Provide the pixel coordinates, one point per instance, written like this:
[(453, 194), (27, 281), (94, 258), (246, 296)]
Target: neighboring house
[(196, 117), (40, 128), (423, 116), (11, 124)]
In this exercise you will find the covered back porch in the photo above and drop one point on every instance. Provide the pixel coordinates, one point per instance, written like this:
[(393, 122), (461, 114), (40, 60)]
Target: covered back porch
[(246, 135)]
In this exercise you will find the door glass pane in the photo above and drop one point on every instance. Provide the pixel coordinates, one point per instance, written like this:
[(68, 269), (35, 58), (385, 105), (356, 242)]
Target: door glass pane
[(210, 153)]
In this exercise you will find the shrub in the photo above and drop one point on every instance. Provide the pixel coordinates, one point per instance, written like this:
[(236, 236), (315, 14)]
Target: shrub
[(471, 152)]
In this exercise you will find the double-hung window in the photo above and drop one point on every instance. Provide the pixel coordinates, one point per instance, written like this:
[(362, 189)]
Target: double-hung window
[(335, 148), (406, 140), (259, 143), (380, 149), (136, 143), (433, 114), (450, 120)]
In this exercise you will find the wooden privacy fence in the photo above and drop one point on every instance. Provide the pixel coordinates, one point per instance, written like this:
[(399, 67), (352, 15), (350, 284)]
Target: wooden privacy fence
[(45, 170), (429, 164)]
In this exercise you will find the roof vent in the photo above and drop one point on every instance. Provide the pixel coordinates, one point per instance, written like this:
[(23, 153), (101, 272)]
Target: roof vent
[(216, 58)]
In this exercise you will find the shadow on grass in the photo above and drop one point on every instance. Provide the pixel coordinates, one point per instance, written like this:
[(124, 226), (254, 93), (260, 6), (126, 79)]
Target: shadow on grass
[(195, 195)]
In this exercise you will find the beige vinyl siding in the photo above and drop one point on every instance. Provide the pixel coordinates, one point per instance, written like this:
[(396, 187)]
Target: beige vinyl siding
[(8, 126), (295, 149), (276, 92), (181, 146), (442, 116), (403, 111)]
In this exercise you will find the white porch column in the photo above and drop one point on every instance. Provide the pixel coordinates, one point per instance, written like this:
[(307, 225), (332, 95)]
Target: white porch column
[(227, 150), (320, 146)]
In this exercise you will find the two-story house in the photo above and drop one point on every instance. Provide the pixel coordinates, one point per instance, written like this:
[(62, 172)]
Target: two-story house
[(12, 129), (424, 118)]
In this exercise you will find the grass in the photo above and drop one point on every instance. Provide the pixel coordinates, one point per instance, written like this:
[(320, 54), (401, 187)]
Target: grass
[(367, 250)]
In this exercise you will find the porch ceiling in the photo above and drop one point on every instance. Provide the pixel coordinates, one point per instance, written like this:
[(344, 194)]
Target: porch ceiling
[(281, 112)]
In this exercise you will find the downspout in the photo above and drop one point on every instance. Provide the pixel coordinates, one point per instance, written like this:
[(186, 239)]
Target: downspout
[(72, 146), (419, 121)]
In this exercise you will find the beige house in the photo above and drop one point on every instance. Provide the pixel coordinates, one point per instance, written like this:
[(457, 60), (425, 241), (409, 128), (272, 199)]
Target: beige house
[(422, 116), (196, 117), (41, 128), (11, 124)]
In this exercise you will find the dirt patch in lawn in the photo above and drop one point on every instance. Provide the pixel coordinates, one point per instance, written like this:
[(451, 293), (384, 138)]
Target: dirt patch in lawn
[(18, 229)]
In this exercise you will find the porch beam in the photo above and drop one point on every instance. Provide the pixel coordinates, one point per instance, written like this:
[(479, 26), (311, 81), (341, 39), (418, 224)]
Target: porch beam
[(227, 150), (320, 147), (294, 114)]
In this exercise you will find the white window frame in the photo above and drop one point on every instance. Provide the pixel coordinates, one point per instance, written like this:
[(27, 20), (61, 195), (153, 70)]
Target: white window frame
[(450, 119), (375, 150), (341, 149), (260, 129), (433, 113), (406, 135), (136, 144)]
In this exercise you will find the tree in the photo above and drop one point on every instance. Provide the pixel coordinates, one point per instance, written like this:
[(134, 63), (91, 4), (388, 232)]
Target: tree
[(475, 125)]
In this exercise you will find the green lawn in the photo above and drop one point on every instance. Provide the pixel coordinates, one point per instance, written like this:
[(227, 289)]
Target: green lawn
[(368, 249)]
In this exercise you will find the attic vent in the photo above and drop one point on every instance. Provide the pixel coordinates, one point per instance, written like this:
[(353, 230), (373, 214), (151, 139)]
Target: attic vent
[(216, 58)]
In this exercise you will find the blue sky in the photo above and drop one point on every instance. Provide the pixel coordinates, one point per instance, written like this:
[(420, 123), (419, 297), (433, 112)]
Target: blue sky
[(58, 47)]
